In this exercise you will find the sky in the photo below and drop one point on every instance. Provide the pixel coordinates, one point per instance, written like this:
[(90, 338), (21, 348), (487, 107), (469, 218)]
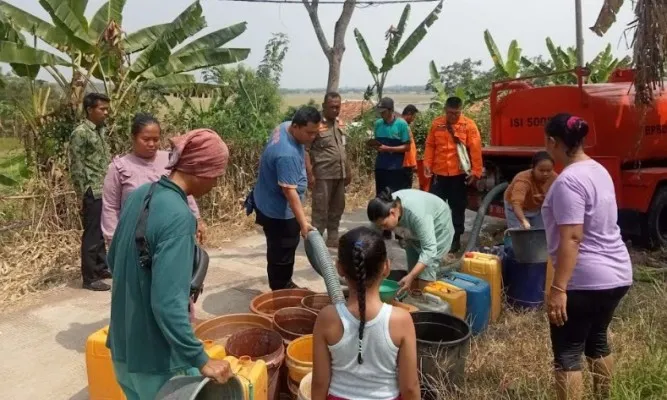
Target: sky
[(458, 34)]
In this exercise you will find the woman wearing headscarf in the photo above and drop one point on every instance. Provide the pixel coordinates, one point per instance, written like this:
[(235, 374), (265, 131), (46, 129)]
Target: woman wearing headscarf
[(146, 163), (150, 336), (593, 270)]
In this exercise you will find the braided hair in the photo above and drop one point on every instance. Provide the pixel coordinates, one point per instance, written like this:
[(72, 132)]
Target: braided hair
[(362, 254)]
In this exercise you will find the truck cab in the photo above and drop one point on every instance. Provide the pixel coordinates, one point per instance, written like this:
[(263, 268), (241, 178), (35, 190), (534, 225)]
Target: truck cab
[(628, 140)]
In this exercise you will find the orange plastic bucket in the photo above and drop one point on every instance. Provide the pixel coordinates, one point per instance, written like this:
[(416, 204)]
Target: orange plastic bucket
[(299, 358)]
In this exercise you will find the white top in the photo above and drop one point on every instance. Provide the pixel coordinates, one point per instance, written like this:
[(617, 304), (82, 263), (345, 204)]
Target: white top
[(377, 377)]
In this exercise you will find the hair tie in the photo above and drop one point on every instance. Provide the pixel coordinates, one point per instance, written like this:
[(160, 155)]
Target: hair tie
[(358, 244), (571, 122)]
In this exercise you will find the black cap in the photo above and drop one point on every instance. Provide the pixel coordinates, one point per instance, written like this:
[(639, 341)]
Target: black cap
[(386, 103)]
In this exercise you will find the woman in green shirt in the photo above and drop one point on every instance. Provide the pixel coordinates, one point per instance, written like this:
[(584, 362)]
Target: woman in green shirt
[(424, 221)]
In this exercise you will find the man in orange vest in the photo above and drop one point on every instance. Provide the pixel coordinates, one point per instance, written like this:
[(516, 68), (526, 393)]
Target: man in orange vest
[(453, 160), (410, 160)]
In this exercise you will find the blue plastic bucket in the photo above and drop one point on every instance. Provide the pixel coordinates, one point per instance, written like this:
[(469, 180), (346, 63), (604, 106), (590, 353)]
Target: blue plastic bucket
[(524, 282)]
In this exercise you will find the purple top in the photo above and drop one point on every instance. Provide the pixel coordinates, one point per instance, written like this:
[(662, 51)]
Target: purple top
[(123, 176), (584, 194)]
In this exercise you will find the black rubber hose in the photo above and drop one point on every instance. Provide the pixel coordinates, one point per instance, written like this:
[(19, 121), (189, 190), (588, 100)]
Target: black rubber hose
[(481, 213), (476, 227)]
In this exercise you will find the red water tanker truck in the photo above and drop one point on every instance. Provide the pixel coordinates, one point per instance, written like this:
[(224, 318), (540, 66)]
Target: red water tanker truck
[(629, 141)]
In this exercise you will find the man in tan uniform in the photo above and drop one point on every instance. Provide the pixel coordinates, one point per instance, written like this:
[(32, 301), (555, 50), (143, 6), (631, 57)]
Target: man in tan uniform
[(328, 170)]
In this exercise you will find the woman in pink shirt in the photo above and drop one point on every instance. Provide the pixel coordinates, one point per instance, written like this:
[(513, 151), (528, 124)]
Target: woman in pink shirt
[(593, 271), (146, 163)]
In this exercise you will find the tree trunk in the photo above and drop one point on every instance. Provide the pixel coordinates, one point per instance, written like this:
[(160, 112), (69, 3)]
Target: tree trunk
[(334, 54)]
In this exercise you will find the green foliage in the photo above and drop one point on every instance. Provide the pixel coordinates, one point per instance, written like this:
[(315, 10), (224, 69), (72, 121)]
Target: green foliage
[(464, 80), (508, 67), (394, 54)]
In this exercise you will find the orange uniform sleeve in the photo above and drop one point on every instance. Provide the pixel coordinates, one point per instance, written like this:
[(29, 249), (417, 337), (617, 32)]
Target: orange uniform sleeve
[(429, 147), (474, 145)]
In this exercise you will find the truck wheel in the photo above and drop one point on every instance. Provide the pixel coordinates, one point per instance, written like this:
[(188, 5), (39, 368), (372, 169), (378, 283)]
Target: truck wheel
[(657, 220)]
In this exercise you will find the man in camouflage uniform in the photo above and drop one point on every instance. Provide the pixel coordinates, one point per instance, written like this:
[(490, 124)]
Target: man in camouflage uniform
[(328, 171), (89, 160)]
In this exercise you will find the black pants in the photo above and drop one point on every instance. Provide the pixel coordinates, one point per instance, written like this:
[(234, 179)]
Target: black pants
[(394, 179), (408, 176), (452, 189), (282, 239), (93, 251), (589, 313)]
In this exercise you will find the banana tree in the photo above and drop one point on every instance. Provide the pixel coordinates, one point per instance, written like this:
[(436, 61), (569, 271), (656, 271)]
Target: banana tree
[(506, 68), (99, 48), (440, 94), (394, 54)]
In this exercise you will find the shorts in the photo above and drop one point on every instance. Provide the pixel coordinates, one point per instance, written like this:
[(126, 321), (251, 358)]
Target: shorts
[(589, 313)]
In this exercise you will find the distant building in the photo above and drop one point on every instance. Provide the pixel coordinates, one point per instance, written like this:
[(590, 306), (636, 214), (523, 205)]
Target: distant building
[(352, 109)]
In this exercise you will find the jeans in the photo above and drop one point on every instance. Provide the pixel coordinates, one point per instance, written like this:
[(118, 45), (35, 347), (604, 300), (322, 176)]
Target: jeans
[(534, 217), (139, 386), (282, 239), (93, 251)]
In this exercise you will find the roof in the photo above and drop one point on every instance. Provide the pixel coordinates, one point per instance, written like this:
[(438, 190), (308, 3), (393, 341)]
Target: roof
[(352, 109)]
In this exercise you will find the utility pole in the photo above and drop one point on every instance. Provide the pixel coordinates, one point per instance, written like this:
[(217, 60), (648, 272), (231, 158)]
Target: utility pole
[(580, 33)]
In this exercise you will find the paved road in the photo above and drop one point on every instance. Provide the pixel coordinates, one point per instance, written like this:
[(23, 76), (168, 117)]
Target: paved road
[(43, 346)]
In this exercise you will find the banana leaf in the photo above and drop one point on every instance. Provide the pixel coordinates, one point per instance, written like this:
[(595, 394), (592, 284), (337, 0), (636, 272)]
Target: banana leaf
[(559, 62), (7, 181), (213, 40), (497, 58), (513, 60), (141, 39), (110, 11), (394, 40), (14, 53), (366, 53), (197, 60), (435, 81), (607, 16), (67, 21), (171, 80), (26, 71), (35, 26), (417, 35), (78, 7), (188, 23)]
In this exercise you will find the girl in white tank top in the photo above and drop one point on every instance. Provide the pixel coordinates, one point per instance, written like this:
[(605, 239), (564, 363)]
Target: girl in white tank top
[(364, 350)]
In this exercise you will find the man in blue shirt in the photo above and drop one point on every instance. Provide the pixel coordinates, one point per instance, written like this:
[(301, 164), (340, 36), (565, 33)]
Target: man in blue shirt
[(392, 141), (279, 192)]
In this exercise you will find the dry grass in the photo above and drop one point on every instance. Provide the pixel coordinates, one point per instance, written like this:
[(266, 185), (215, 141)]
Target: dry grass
[(512, 360)]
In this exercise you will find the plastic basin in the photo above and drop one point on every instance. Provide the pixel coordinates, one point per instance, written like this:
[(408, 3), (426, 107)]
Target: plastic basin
[(388, 290), (268, 303), (219, 329), (299, 358), (529, 245), (294, 322), (443, 344), (316, 302), (305, 387), (199, 388)]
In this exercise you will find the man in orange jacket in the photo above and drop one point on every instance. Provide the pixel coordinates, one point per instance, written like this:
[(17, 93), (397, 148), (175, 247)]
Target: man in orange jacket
[(443, 164)]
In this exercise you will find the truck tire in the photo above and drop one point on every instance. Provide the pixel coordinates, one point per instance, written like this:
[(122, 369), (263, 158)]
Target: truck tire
[(656, 224)]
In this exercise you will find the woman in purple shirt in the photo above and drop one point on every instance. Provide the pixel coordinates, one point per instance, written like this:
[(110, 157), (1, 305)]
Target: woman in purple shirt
[(144, 164), (592, 265)]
